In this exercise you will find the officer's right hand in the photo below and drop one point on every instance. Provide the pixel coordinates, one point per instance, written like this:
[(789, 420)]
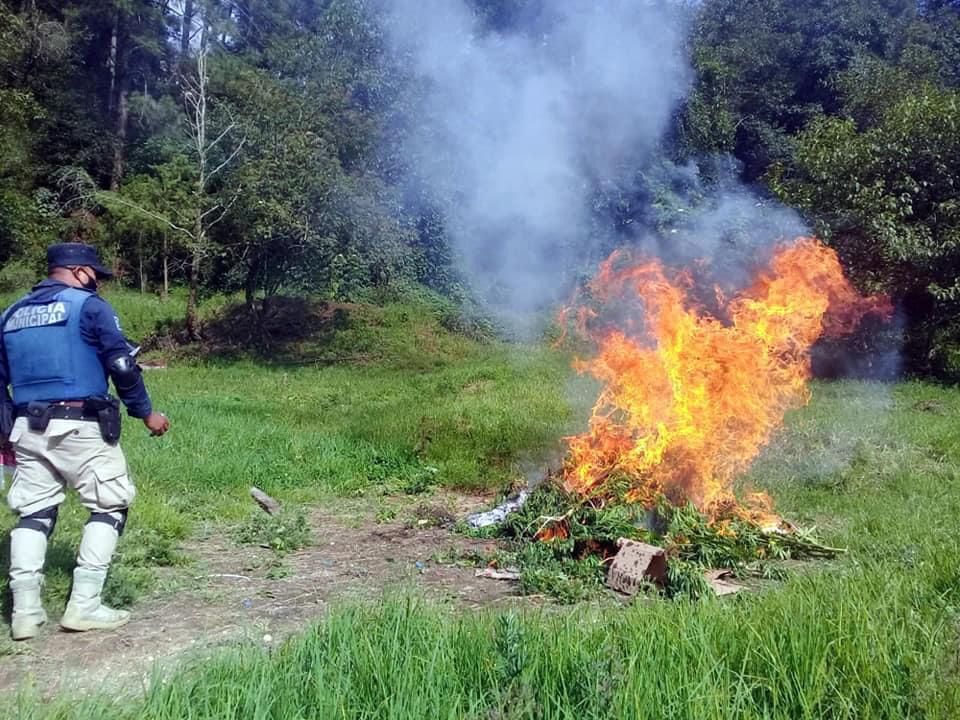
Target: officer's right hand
[(156, 423)]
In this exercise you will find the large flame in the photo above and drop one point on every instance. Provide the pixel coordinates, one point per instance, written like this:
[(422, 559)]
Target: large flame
[(691, 395)]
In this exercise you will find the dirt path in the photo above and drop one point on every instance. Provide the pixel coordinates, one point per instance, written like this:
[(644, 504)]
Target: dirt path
[(227, 595)]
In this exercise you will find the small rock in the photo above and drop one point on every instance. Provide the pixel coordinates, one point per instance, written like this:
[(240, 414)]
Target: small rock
[(269, 505), (498, 574)]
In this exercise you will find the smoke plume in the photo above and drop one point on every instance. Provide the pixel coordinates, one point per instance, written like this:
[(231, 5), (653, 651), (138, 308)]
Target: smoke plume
[(542, 139), (518, 127)]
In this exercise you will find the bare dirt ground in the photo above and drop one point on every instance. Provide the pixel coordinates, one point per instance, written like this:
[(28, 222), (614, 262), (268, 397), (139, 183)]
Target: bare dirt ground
[(227, 595)]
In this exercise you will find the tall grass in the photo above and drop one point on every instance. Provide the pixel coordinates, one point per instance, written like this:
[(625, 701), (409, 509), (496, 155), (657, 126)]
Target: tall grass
[(834, 646), (140, 313)]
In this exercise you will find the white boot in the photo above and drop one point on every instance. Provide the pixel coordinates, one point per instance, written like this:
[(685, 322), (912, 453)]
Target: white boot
[(84, 610), (28, 547), (28, 612)]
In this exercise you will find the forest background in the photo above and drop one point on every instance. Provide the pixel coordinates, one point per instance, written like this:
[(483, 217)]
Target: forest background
[(255, 147)]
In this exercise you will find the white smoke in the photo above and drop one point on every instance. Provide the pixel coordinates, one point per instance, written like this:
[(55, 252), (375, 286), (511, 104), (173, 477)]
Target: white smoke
[(518, 127)]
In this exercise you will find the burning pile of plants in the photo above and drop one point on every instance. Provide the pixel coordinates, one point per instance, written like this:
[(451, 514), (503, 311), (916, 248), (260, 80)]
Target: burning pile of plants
[(694, 384), (562, 545)]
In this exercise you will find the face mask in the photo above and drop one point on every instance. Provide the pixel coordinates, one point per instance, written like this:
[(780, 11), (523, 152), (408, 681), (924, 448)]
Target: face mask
[(90, 283)]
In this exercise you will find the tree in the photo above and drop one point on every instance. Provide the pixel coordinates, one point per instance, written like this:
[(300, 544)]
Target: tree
[(30, 47), (314, 211), (202, 202), (208, 151), (143, 213), (887, 198), (766, 69)]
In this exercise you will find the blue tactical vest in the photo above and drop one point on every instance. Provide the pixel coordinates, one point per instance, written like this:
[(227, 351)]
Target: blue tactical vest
[(47, 356)]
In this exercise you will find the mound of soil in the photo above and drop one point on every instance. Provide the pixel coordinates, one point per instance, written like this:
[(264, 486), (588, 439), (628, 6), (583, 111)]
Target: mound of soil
[(278, 320), (275, 325)]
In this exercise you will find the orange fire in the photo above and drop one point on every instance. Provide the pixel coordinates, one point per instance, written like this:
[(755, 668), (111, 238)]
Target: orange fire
[(558, 531), (691, 395)]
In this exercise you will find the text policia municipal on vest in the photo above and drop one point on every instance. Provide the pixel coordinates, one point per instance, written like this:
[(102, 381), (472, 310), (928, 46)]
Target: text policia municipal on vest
[(31, 316)]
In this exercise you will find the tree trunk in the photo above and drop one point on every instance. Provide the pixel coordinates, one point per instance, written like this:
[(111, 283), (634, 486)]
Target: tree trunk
[(250, 285), (199, 235), (120, 140), (143, 274), (257, 317), (199, 238), (245, 20), (186, 27), (119, 101), (193, 328), (112, 61), (166, 267)]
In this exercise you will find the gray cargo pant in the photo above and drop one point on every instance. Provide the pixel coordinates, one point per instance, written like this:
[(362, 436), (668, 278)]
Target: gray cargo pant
[(70, 453)]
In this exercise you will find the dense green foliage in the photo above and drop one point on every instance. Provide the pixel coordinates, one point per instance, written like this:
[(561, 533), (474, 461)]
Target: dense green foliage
[(888, 198), (231, 148), (292, 177)]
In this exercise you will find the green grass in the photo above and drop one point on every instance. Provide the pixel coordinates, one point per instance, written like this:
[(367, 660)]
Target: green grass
[(848, 643), (875, 468), (426, 407), (873, 635)]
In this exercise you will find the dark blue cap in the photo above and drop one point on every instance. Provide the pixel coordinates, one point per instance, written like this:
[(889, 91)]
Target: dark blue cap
[(75, 255)]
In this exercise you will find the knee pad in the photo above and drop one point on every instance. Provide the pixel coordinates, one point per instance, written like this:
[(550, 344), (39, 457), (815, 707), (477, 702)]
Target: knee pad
[(116, 519), (43, 521)]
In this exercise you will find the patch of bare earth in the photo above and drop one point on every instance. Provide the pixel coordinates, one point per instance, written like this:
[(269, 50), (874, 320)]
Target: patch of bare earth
[(231, 593)]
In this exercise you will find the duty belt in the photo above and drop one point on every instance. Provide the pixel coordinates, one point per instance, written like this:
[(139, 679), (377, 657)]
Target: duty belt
[(63, 412)]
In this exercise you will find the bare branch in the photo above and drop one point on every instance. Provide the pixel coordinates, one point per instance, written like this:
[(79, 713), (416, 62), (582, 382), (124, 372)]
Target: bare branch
[(227, 161), (222, 135), (152, 214), (226, 209)]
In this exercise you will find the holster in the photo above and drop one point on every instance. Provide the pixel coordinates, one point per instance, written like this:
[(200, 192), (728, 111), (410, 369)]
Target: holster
[(38, 416), (107, 410)]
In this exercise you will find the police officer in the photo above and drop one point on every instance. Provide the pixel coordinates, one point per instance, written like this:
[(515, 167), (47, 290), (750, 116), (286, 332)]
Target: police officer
[(57, 347)]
